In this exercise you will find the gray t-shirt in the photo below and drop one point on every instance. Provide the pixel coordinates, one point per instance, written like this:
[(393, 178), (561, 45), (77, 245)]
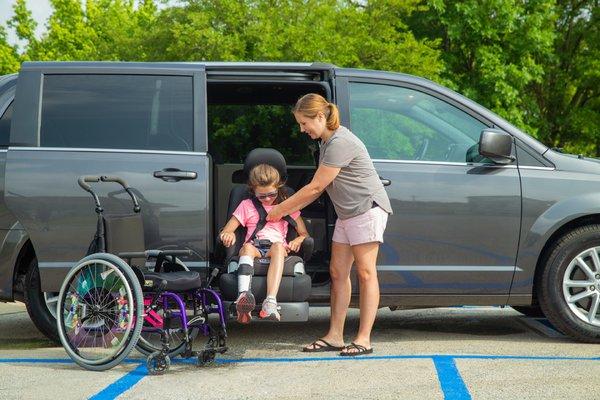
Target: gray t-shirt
[(357, 186)]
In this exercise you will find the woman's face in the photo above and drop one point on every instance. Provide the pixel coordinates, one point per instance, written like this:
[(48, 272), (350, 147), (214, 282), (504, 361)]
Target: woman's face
[(313, 127), (266, 194)]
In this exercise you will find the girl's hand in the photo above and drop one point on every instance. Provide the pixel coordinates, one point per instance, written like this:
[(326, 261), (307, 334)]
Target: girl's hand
[(228, 238), (295, 244), (275, 214)]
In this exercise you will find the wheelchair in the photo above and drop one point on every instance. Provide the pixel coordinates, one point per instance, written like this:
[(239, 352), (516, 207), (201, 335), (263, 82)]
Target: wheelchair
[(120, 297), (295, 286)]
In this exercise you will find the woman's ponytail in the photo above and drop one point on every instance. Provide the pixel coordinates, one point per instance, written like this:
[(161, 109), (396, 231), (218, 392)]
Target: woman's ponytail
[(311, 104)]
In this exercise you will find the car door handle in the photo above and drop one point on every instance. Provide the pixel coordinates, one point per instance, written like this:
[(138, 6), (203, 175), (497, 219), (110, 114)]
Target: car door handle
[(175, 175), (386, 182)]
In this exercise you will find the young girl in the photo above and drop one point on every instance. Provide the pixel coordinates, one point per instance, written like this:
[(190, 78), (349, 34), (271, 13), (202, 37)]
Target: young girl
[(265, 183)]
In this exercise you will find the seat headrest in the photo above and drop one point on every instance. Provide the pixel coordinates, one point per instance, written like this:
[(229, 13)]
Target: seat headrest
[(265, 156)]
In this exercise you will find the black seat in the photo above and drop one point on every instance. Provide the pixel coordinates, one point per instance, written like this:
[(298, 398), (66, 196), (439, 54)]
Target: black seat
[(295, 284), (179, 281)]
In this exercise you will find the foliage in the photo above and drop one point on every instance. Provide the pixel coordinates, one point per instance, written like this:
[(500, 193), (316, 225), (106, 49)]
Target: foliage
[(534, 62)]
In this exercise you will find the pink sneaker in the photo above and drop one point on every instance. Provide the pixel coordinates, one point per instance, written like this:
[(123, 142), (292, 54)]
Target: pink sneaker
[(269, 310), (244, 305)]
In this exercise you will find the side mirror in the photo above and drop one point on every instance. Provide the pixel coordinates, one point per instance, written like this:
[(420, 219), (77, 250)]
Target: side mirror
[(496, 145)]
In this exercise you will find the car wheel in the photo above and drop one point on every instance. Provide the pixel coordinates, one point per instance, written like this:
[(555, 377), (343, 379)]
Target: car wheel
[(39, 304), (569, 292)]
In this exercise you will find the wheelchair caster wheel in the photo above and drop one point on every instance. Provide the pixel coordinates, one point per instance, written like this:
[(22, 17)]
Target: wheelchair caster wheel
[(205, 358), (158, 363)]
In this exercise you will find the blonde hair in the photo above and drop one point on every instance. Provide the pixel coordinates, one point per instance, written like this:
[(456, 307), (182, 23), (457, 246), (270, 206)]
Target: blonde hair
[(265, 175), (311, 104)]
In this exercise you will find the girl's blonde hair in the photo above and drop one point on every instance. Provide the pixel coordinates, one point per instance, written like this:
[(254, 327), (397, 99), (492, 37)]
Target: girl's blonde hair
[(311, 104), (265, 175)]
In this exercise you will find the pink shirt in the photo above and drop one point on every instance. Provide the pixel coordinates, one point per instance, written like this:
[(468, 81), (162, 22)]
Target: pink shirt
[(248, 217)]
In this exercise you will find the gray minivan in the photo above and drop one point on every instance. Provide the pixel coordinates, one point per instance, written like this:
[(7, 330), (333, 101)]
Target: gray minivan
[(483, 213)]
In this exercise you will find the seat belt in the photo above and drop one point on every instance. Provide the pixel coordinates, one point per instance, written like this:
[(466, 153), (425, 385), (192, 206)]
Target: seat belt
[(262, 219)]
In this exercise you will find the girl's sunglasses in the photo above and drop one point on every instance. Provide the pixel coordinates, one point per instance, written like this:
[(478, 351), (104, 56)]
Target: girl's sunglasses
[(264, 196)]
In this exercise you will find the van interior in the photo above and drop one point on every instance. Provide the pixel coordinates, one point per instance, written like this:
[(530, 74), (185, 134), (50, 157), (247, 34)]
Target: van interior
[(244, 115)]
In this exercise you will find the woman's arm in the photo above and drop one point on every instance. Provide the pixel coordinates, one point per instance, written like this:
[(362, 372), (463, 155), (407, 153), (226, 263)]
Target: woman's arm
[(301, 227), (309, 193)]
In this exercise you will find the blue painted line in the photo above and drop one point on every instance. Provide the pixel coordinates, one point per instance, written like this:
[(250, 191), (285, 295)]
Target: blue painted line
[(122, 385), (316, 359), (451, 382)]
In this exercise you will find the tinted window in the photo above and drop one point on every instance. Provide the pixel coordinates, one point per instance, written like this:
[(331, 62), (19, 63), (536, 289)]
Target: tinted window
[(117, 111), (397, 123), (5, 126)]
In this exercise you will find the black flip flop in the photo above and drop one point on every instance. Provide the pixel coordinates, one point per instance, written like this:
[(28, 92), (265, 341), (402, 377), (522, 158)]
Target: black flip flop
[(316, 347), (362, 350)]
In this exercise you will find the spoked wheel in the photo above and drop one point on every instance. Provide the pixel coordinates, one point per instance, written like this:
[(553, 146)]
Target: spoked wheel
[(581, 286), (206, 358), (99, 311), (158, 363), (154, 321)]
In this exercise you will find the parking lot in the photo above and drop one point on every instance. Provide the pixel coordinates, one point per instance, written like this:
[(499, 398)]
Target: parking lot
[(449, 353)]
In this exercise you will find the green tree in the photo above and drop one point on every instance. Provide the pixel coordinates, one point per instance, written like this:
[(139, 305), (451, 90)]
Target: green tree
[(9, 59), (366, 35), (493, 49), (23, 23), (534, 62), (567, 101)]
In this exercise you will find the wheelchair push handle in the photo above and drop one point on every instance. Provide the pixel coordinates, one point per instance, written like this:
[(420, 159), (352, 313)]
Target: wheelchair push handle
[(83, 182), (121, 181)]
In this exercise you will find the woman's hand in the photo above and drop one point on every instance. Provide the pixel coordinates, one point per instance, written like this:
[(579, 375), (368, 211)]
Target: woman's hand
[(275, 214), (228, 238), (295, 244)]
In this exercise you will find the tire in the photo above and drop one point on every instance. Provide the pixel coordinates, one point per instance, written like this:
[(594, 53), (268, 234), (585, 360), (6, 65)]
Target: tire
[(35, 302), (530, 311), (100, 312), (563, 279)]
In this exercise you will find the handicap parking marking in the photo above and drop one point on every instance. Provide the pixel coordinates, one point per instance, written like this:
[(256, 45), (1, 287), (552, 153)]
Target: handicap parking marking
[(450, 380), (123, 384)]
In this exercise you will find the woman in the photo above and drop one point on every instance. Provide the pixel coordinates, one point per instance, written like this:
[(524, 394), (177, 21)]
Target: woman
[(346, 171)]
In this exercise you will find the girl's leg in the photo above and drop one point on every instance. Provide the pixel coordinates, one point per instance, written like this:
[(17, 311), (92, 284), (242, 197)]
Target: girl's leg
[(246, 266), (277, 253), (341, 289), (366, 258), (245, 302)]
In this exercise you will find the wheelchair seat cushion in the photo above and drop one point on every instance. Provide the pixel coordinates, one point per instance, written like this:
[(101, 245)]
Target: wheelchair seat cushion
[(179, 281)]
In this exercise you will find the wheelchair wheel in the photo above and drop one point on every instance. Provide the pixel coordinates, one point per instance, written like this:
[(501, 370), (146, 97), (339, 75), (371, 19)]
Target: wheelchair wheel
[(99, 311), (150, 340), (158, 363)]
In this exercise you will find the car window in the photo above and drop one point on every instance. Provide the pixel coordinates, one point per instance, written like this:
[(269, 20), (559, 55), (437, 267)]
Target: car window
[(5, 126), (117, 112), (398, 123)]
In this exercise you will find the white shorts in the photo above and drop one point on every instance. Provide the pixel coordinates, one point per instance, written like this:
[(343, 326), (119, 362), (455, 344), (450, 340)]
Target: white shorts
[(363, 228)]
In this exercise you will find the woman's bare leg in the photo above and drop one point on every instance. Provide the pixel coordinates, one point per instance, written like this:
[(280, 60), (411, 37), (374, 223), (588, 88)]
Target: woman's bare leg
[(341, 289), (366, 269)]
